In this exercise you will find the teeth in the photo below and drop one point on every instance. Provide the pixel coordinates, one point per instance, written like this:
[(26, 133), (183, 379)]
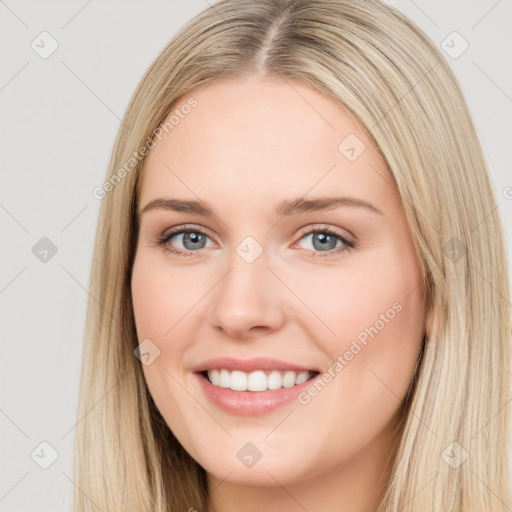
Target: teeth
[(258, 380)]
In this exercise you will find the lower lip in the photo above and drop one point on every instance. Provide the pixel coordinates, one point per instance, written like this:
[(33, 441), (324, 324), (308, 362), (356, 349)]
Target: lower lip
[(251, 403)]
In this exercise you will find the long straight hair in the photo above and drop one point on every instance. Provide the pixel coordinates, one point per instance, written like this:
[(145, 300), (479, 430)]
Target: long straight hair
[(374, 62)]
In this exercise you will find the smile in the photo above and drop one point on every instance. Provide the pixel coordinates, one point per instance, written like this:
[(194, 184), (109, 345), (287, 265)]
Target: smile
[(254, 393), (259, 380)]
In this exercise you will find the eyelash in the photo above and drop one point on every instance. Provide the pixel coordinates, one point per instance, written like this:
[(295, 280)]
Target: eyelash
[(348, 244)]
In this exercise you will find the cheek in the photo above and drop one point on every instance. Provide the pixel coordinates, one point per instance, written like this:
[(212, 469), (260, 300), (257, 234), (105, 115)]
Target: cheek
[(167, 308), (376, 315), (162, 296), (349, 300), (160, 302)]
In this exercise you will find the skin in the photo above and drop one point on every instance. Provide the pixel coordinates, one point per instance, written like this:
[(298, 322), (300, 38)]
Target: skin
[(248, 145)]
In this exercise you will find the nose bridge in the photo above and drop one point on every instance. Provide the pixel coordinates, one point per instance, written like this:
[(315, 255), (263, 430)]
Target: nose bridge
[(249, 295)]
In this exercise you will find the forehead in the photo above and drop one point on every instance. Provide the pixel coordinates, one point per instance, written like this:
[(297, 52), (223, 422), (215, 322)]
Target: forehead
[(262, 139)]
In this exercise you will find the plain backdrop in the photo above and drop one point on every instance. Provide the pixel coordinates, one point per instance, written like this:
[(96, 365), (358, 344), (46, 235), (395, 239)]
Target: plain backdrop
[(59, 116)]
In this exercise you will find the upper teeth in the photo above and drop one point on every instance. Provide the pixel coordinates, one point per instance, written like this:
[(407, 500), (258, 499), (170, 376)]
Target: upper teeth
[(257, 380)]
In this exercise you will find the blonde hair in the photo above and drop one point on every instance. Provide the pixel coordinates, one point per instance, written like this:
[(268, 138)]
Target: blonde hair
[(376, 63)]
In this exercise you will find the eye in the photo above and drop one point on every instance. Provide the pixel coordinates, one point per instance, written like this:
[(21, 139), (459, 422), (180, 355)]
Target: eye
[(325, 241), (190, 239)]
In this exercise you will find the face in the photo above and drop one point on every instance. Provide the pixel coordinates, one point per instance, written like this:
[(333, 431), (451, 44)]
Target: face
[(271, 271)]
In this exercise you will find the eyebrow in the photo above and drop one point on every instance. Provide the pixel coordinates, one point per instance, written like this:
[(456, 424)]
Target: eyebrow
[(285, 209)]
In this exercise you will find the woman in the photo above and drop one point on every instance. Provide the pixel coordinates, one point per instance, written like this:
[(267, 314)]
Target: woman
[(234, 358)]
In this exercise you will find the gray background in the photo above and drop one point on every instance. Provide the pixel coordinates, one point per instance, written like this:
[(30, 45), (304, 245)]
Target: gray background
[(59, 116)]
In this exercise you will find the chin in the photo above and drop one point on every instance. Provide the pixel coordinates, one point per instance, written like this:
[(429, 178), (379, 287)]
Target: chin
[(271, 469), (262, 474)]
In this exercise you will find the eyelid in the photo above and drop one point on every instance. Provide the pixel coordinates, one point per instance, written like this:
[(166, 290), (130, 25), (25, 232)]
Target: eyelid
[(319, 227), (187, 227), (348, 241), (303, 231)]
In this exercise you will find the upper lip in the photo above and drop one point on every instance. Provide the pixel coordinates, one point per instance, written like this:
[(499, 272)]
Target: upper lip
[(249, 365)]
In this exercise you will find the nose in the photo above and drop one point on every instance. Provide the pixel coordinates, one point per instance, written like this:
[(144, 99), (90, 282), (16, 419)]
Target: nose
[(248, 300)]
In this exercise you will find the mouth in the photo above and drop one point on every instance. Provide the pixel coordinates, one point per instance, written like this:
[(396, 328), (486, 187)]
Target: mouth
[(253, 387), (257, 381)]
